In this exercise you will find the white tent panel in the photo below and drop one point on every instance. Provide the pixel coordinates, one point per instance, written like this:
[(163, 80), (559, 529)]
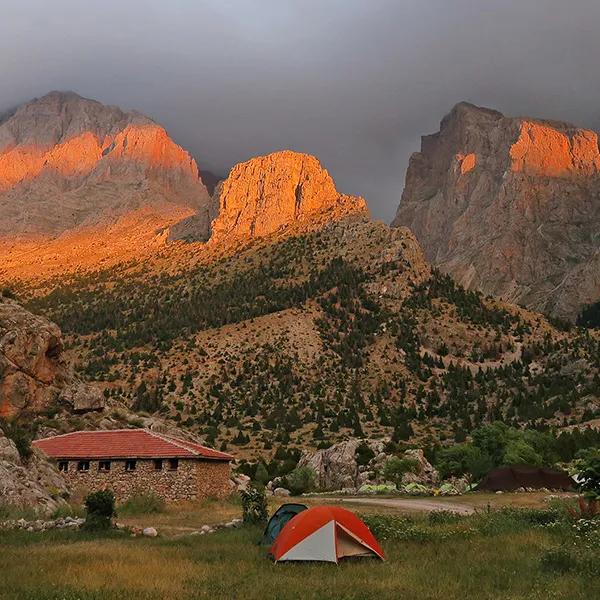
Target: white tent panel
[(319, 545)]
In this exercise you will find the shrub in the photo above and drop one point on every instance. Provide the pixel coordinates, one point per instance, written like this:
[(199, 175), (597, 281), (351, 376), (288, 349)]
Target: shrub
[(100, 509), (396, 467), (381, 488), (301, 480), (143, 504), (261, 475), (462, 459), (254, 505), (66, 510), (8, 293), (589, 477), (364, 454)]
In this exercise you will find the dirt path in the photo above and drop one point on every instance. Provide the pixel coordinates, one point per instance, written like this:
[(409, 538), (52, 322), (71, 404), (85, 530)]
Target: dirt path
[(402, 503)]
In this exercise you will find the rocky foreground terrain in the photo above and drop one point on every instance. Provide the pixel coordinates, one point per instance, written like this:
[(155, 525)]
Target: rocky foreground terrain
[(34, 373), (509, 206)]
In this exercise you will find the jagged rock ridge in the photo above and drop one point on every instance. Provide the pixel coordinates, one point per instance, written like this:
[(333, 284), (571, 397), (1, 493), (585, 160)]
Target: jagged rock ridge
[(510, 206)]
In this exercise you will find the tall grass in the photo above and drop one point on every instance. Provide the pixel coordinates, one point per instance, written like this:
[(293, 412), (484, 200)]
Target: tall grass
[(142, 504), (10, 511), (490, 564)]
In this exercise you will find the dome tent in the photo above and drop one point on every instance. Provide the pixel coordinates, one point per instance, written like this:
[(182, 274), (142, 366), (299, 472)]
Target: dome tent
[(280, 517), (325, 533)]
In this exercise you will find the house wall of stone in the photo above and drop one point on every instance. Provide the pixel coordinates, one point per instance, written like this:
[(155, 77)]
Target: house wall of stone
[(214, 479), (193, 479)]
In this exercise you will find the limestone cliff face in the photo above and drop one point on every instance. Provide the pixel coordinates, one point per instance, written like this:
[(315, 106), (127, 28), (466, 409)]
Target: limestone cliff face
[(266, 193), (34, 373), (510, 206), (72, 167)]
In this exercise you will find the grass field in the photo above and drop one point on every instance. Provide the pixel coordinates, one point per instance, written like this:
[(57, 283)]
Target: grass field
[(486, 556)]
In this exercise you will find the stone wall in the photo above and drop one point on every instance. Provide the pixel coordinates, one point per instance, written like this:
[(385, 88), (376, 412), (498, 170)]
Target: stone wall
[(214, 479), (193, 479)]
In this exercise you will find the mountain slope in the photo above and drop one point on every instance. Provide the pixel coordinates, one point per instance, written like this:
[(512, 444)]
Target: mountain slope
[(308, 338), (509, 206), (82, 183)]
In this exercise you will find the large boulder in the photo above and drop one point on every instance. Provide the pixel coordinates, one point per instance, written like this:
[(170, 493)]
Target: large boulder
[(425, 474), (82, 397), (336, 467), (34, 372)]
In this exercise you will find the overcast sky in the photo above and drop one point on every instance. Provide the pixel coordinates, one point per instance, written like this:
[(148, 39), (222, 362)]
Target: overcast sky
[(355, 82)]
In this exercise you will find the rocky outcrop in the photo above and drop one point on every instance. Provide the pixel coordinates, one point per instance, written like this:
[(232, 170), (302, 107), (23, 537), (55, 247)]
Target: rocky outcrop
[(75, 173), (34, 373), (271, 192), (425, 473), (510, 206), (34, 484), (338, 468)]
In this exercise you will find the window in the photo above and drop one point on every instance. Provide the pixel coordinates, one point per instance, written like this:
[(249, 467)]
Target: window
[(130, 465), (63, 466), (158, 464), (83, 465), (173, 464), (104, 465)]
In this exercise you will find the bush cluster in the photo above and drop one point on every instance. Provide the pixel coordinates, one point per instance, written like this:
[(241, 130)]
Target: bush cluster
[(254, 505), (100, 510)]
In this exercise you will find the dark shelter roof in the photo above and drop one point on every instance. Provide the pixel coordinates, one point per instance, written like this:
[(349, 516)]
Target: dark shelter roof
[(514, 477)]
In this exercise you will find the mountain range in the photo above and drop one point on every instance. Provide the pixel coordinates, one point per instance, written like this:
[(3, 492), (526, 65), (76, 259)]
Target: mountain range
[(275, 311)]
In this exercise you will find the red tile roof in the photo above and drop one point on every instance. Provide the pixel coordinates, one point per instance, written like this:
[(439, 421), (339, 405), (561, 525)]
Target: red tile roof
[(124, 443)]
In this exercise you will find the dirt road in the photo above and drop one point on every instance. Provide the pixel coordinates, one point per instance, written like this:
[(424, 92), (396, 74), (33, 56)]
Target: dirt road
[(411, 505)]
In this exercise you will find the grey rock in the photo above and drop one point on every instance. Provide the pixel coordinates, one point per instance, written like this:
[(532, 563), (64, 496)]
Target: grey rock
[(149, 532)]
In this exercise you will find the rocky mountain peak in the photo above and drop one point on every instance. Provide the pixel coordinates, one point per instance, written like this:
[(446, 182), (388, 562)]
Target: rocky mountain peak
[(465, 112), (75, 173), (269, 192), (510, 206)]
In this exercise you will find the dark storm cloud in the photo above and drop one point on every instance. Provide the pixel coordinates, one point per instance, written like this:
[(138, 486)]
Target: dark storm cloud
[(355, 82)]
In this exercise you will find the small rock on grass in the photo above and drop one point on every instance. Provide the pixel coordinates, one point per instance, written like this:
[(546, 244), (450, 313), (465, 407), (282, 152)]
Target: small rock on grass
[(150, 532)]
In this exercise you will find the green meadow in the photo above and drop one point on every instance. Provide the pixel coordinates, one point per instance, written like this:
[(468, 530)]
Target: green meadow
[(505, 554)]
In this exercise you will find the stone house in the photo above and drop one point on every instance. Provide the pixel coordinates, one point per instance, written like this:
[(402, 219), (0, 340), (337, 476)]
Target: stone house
[(137, 461)]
